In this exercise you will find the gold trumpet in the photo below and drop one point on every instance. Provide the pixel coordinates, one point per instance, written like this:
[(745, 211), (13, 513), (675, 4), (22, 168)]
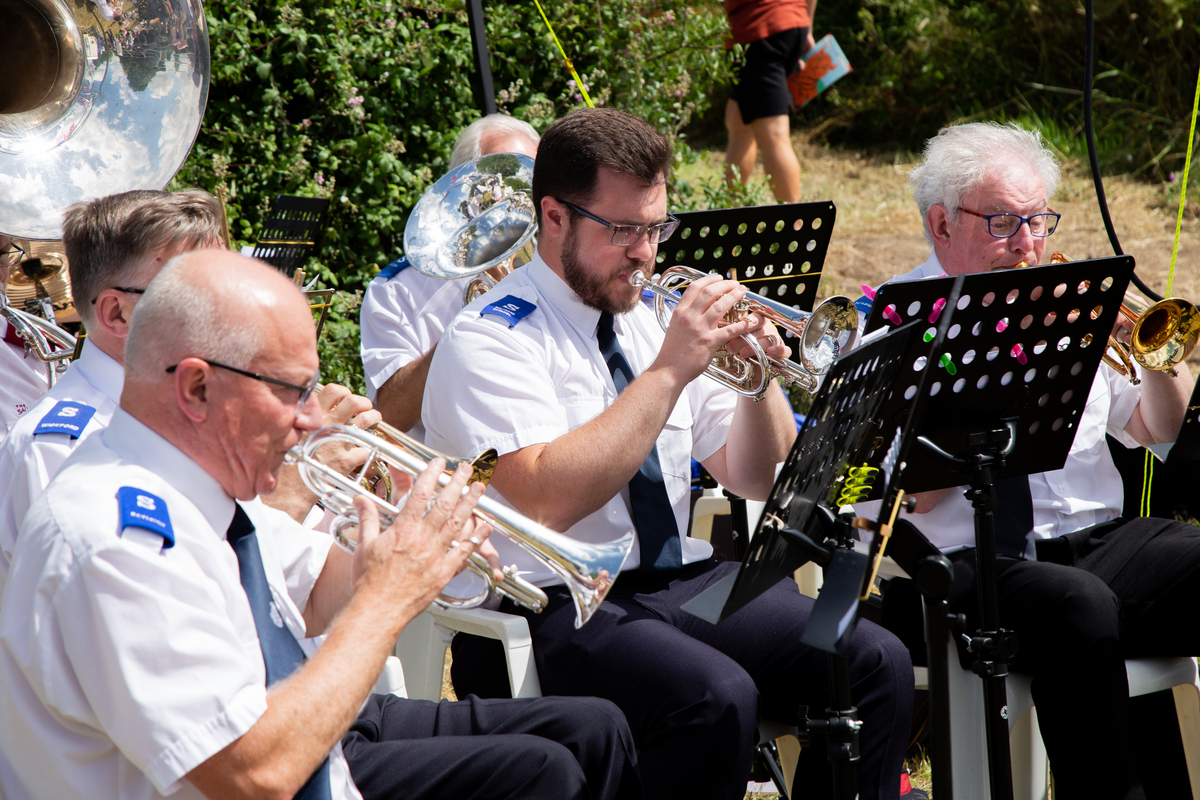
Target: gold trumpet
[(823, 335), (588, 570), (1162, 334)]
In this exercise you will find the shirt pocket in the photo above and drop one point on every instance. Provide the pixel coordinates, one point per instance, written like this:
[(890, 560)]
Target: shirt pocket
[(675, 442)]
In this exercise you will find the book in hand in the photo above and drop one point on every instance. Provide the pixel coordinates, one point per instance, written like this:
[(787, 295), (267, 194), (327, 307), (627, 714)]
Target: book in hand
[(820, 67)]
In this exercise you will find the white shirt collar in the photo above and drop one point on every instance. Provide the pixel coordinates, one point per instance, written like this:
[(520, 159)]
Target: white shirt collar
[(552, 287), (101, 371), (135, 442)]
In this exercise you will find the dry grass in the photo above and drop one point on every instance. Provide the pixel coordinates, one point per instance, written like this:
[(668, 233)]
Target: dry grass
[(879, 233)]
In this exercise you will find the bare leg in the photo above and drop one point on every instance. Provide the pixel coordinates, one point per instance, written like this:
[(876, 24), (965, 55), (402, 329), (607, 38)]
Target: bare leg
[(742, 150), (779, 159)]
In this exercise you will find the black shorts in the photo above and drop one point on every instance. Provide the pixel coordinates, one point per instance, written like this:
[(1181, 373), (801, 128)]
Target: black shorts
[(761, 89)]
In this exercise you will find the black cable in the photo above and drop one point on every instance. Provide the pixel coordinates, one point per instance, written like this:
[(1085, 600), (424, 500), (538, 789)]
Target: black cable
[(1090, 133)]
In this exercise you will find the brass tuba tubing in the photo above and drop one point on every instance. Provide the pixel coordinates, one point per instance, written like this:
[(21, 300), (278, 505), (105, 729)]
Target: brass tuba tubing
[(822, 335), (588, 570)]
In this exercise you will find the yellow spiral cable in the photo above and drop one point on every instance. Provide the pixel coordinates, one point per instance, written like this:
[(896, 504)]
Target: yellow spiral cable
[(570, 66)]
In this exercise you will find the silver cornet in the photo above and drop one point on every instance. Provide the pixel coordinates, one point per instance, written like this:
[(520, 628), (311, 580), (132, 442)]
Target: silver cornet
[(588, 570), (822, 335)]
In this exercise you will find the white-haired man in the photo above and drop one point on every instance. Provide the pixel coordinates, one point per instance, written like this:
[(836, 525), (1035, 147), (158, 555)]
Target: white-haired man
[(149, 639), (1102, 587), (24, 376), (404, 312)]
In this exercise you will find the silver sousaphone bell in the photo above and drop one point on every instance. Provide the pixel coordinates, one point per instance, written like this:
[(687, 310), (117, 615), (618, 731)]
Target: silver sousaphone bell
[(477, 220)]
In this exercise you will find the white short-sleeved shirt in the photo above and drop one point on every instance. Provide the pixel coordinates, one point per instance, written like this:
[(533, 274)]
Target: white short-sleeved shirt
[(126, 664), (1085, 492), (508, 388), (403, 315), (28, 462), (23, 381)]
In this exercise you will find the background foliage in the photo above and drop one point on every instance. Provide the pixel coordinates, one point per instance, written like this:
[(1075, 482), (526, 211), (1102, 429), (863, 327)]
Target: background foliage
[(361, 102)]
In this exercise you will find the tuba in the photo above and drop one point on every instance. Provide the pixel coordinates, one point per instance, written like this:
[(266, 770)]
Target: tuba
[(98, 96), (477, 220), (823, 335), (588, 570)]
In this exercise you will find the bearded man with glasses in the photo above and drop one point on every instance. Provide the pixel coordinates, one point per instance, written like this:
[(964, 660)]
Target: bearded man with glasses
[(1091, 587), (596, 413)]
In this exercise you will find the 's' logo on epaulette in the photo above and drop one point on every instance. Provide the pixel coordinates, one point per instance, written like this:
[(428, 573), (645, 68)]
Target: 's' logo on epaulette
[(511, 309), (67, 417), (140, 509)]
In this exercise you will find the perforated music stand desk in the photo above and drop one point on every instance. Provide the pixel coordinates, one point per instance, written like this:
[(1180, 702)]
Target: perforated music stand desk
[(1045, 383), (830, 441), (776, 251), (290, 234)]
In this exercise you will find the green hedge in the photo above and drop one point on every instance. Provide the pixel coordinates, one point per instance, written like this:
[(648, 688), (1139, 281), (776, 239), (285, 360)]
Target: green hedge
[(361, 103)]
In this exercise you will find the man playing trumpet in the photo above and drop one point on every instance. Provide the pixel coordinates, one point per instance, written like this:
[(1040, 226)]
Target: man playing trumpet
[(596, 413), (1103, 587), (150, 632)]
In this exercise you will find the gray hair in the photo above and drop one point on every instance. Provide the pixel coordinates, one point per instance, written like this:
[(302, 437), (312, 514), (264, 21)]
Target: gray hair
[(470, 141), (961, 157), (183, 315), (107, 240)]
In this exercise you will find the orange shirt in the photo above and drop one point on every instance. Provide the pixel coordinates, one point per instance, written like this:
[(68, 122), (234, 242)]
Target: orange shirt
[(751, 20)]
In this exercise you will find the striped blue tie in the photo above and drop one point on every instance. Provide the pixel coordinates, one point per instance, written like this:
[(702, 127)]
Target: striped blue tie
[(281, 652), (658, 533)]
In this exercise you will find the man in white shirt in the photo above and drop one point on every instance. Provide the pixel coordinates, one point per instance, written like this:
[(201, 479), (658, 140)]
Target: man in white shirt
[(115, 246), (24, 376), (1102, 587), (147, 610), (596, 414), (404, 311)]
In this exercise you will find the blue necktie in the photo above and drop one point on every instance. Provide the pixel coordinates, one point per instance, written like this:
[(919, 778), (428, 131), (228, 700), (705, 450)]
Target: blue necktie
[(658, 533), (281, 652)]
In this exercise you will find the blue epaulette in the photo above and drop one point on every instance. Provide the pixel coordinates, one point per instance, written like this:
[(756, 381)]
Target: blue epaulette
[(140, 509), (395, 268), (511, 309), (863, 304), (67, 417)]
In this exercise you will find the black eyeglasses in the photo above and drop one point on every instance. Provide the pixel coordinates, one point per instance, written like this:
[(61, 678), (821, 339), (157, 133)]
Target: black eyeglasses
[(126, 290), (1004, 225), (11, 257), (627, 235), (305, 391)]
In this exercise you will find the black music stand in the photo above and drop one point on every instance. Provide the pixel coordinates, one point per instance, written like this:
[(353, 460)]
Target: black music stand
[(777, 251), (1013, 377), (835, 438), (291, 233)]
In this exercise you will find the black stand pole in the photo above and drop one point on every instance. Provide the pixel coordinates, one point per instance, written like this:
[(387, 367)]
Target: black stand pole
[(483, 60), (992, 645)]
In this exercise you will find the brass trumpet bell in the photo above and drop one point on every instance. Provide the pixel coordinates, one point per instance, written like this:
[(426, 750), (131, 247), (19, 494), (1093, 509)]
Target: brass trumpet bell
[(1163, 334)]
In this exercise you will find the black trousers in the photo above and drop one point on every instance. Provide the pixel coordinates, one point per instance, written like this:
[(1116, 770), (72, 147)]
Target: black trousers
[(693, 692), (1124, 589), (543, 748)]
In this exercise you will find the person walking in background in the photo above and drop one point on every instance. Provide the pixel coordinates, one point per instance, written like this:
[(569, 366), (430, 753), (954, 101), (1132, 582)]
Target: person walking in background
[(776, 33)]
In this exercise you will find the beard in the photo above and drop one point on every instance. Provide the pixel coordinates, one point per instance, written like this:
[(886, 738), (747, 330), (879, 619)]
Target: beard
[(591, 287)]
